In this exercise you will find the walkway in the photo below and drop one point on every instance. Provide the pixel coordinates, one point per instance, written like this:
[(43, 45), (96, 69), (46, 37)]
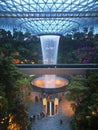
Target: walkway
[(52, 123)]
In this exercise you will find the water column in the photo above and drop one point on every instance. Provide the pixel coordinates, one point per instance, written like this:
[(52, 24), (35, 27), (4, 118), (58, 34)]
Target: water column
[(49, 44)]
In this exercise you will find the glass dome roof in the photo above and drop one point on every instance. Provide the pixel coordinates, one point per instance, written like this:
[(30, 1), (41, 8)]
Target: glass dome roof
[(48, 16)]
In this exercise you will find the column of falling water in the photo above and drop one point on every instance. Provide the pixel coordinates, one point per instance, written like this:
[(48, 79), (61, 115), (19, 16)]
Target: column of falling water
[(49, 44)]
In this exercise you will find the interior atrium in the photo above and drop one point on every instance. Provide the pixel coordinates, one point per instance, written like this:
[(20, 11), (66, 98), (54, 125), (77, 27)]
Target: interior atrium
[(48, 64)]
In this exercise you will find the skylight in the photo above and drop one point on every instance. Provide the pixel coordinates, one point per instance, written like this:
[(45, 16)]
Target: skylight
[(48, 15)]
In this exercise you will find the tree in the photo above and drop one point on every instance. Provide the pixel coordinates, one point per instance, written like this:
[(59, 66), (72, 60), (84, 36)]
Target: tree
[(14, 108), (84, 91), (77, 89)]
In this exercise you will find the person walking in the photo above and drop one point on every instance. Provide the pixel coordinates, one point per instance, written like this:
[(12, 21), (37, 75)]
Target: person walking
[(61, 122)]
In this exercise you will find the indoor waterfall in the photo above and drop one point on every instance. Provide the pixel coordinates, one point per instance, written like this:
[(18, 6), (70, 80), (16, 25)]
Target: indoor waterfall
[(49, 44)]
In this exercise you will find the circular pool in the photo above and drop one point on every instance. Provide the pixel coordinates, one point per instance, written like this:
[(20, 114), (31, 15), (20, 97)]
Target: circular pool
[(50, 82)]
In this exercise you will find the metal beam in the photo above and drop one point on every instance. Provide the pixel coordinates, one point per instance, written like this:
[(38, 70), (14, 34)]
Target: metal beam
[(82, 66), (85, 14)]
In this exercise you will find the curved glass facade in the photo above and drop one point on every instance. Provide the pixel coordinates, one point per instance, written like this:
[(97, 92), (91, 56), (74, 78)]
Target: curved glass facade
[(48, 16)]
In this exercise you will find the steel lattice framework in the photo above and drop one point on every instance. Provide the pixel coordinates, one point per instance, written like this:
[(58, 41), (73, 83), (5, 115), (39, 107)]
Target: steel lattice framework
[(48, 16)]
